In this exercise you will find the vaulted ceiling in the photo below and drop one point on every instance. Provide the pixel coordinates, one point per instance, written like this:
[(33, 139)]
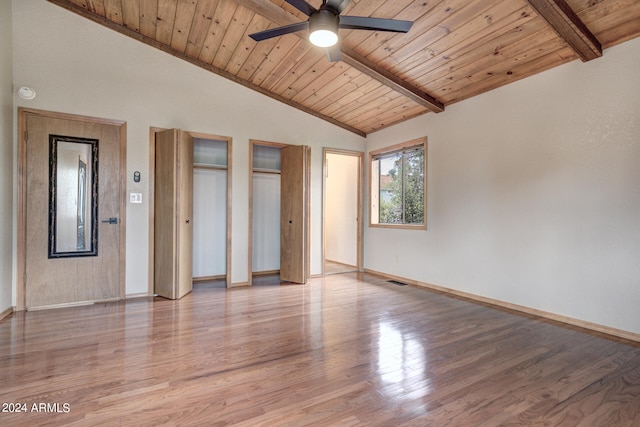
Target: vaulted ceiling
[(455, 50)]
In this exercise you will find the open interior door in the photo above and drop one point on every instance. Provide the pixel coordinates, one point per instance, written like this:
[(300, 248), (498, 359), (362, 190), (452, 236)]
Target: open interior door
[(173, 212), (294, 213)]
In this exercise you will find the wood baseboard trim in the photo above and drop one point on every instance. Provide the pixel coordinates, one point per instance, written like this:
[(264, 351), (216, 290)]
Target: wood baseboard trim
[(73, 304), (239, 284), (8, 312), (265, 273), (589, 326), (138, 295), (355, 267), (209, 278)]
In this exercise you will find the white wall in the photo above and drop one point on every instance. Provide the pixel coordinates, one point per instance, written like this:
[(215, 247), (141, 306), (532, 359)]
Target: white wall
[(209, 222), (80, 67), (266, 222), (533, 194), (6, 155), (341, 211)]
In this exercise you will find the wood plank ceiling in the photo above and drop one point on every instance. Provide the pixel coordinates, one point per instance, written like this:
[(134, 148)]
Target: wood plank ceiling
[(455, 50)]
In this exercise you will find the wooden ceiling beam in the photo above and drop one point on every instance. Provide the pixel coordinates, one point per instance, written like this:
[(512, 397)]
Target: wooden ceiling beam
[(365, 66), (279, 16), (566, 23)]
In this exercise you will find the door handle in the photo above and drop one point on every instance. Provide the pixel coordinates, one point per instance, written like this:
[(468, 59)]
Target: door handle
[(110, 221)]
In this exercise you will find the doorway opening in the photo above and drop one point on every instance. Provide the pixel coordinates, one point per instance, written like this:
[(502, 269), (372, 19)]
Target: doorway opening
[(278, 213), (211, 255), (211, 202), (342, 247), (264, 205)]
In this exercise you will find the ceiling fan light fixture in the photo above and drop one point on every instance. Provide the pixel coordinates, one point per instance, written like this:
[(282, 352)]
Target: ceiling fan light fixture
[(323, 38), (323, 28)]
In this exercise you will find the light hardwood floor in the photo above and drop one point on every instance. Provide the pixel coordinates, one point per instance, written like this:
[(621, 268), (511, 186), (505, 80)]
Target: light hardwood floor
[(344, 350), (332, 267)]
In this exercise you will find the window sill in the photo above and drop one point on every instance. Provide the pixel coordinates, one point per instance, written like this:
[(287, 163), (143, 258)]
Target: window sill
[(400, 226)]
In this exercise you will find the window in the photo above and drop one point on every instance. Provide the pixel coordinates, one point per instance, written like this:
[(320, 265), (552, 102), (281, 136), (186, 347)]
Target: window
[(398, 185)]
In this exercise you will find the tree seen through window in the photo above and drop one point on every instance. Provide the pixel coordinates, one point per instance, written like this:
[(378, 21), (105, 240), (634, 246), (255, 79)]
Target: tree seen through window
[(399, 181)]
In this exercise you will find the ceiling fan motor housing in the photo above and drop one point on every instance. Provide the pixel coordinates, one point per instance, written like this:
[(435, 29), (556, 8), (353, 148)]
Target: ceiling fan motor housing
[(324, 19)]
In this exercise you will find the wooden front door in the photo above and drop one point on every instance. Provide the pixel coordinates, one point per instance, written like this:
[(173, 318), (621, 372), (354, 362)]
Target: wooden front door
[(294, 213), (71, 183), (173, 214)]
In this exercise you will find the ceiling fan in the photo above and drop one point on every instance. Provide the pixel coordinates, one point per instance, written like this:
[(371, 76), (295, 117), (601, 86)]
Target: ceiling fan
[(323, 24)]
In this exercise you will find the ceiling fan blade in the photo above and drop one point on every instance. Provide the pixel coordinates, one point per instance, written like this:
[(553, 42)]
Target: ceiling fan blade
[(374, 24), (333, 53), (338, 5), (302, 6), (275, 32)]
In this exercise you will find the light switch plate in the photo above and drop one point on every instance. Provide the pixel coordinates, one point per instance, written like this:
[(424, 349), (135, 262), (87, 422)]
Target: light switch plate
[(135, 197)]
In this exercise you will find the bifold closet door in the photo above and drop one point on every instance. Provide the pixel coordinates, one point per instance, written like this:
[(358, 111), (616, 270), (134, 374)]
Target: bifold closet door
[(173, 213), (294, 213)]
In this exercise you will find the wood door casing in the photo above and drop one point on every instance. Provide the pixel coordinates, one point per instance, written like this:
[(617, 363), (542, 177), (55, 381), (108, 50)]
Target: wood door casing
[(59, 281), (294, 214), (173, 198)]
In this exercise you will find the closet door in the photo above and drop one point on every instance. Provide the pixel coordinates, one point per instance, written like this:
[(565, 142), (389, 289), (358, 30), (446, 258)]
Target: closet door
[(294, 213), (173, 214)]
